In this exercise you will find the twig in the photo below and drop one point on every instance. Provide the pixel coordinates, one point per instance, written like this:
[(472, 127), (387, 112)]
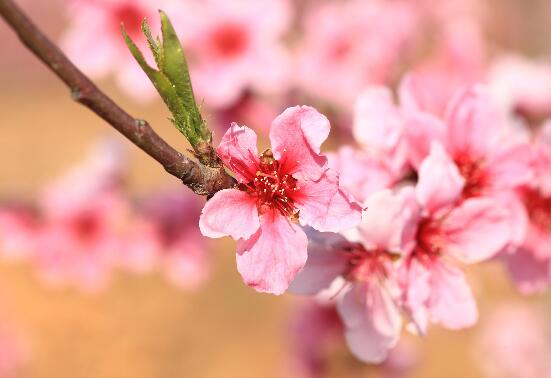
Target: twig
[(200, 178)]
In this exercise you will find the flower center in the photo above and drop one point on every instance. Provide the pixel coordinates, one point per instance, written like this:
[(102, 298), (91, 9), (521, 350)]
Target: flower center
[(229, 40), (429, 240), (272, 188), (131, 16), (539, 208), (340, 50), (474, 174), (363, 264), (86, 226)]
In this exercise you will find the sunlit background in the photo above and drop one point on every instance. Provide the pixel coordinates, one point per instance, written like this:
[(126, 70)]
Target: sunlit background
[(141, 323)]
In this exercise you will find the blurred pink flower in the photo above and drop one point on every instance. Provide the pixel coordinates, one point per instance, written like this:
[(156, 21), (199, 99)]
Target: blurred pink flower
[(349, 45), (522, 86), (18, 229), (316, 339), (529, 263), (401, 360), (235, 46), (250, 110), (82, 214), (315, 332), (446, 230), (514, 343), (166, 234), (95, 43), (289, 183), (459, 60), (369, 305)]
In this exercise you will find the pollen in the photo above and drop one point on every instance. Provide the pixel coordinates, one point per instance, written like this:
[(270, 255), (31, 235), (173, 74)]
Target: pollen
[(273, 189)]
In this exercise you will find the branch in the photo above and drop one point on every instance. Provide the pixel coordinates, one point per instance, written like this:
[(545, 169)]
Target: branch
[(201, 179)]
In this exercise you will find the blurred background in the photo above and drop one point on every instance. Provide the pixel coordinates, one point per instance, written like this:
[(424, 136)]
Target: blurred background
[(138, 323)]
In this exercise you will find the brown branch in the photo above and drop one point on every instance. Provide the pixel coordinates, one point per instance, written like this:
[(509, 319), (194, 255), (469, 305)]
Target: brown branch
[(200, 178)]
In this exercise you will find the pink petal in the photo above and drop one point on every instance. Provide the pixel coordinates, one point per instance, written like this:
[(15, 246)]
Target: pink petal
[(452, 303), (518, 217), (510, 168), (325, 263), (186, 264), (239, 153), (421, 130), (296, 136), (474, 122), (384, 221), (477, 230), (324, 206), (377, 122), (530, 274), (440, 183), (365, 340), (271, 258), (416, 290), (360, 173), (230, 212), (417, 94)]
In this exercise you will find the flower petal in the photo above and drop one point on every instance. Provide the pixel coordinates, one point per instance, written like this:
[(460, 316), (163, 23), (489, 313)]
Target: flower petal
[(296, 136), (324, 206), (270, 259), (530, 274), (377, 122), (325, 263), (239, 153), (366, 341), (510, 168), (477, 230), (474, 122), (361, 173), (384, 221), (230, 212), (421, 130), (451, 303), (415, 282), (440, 183)]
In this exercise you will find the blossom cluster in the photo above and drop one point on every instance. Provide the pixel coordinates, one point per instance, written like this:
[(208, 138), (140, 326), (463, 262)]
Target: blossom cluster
[(84, 225), (446, 164)]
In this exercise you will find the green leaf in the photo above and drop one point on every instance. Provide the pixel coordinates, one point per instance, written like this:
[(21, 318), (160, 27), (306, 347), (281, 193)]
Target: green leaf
[(172, 81)]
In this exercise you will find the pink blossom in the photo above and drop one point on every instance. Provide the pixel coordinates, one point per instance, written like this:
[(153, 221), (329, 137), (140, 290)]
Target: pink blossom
[(82, 214), (94, 40), (289, 183), (235, 46), (514, 343), (522, 86), (349, 45), (18, 228), (252, 110), (445, 231), (401, 360), (368, 306), (315, 333), (459, 60), (529, 262), (473, 131), (165, 234)]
